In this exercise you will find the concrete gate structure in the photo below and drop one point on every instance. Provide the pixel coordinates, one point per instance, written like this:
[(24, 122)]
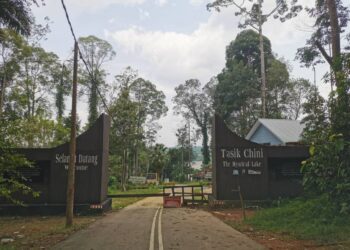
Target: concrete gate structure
[(262, 172), (49, 174)]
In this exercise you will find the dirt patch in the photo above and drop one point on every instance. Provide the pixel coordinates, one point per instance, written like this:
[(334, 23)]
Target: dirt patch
[(38, 232), (154, 202), (276, 241)]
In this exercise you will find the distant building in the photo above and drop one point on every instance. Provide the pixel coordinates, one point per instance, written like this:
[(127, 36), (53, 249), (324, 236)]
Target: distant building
[(196, 165), (275, 131)]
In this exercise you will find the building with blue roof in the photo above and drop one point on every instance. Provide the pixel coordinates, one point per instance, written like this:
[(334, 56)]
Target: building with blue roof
[(276, 131)]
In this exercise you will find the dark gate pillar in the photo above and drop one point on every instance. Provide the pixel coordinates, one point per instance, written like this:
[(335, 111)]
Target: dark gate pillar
[(91, 176), (237, 162)]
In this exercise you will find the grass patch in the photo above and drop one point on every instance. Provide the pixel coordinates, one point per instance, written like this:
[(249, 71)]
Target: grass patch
[(312, 219), (35, 232), (149, 190), (203, 183), (119, 203)]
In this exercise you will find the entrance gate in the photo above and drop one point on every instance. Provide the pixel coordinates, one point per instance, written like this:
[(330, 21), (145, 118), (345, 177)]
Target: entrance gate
[(185, 194)]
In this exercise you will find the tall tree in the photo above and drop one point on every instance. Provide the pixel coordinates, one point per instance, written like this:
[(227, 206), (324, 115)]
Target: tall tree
[(150, 108), (194, 102), (124, 113), (16, 15), (96, 53), (11, 46), (34, 82), (184, 144), (237, 98), (327, 170), (278, 92), (245, 49), (298, 95), (316, 118), (255, 18), (331, 19), (62, 89), (159, 158)]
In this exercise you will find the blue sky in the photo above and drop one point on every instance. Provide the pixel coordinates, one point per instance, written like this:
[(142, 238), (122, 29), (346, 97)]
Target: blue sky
[(167, 41)]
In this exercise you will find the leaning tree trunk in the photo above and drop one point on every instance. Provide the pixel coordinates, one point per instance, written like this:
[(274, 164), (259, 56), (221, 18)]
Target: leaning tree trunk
[(205, 146)]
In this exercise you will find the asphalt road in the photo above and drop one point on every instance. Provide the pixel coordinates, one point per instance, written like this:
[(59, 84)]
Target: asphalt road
[(145, 225)]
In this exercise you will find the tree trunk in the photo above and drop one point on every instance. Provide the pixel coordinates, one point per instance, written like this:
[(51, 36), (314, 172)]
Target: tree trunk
[(340, 111), (262, 62), (335, 38), (124, 171), (2, 94), (189, 144), (182, 159), (93, 102), (205, 147)]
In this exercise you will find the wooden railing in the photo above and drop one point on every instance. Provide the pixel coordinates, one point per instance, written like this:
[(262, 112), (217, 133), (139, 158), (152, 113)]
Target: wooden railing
[(189, 193)]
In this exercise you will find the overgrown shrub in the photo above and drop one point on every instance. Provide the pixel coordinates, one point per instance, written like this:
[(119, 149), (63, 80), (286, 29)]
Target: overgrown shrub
[(327, 171)]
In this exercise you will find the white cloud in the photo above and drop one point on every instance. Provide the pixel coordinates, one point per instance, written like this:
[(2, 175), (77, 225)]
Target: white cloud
[(169, 58), (179, 56), (144, 14), (97, 4), (161, 2), (198, 2)]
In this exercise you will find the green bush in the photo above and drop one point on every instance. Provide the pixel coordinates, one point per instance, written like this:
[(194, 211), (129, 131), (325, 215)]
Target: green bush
[(303, 218), (327, 171)]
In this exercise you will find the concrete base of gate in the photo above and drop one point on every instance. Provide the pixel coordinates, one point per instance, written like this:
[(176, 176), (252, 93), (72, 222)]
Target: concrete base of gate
[(54, 209)]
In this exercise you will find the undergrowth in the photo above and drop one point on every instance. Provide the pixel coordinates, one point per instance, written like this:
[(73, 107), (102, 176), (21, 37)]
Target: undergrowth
[(314, 219)]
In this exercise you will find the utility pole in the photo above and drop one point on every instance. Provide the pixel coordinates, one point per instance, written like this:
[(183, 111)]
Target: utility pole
[(72, 147)]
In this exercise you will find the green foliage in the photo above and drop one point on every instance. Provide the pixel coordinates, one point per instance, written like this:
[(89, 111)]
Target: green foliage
[(124, 124), (96, 53), (311, 54), (303, 218), (135, 111), (12, 181), (245, 49), (340, 106), (178, 166), (278, 94), (150, 101), (237, 96), (158, 159), (327, 171), (39, 132), (298, 92), (63, 85), (316, 119), (194, 102), (283, 10), (16, 15)]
